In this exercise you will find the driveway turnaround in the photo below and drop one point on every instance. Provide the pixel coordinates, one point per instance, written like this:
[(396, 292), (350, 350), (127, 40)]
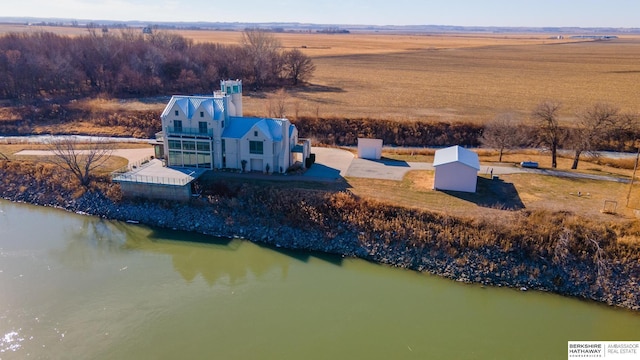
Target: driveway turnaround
[(331, 163), (385, 169)]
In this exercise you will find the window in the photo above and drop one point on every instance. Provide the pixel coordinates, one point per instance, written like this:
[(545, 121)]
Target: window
[(224, 154), (203, 146), (189, 159), (204, 161), (201, 113), (188, 145), (174, 144), (202, 127), (255, 133), (175, 158), (177, 113), (256, 147), (177, 126)]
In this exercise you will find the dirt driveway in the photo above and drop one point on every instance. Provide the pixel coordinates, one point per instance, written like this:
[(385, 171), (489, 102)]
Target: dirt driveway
[(133, 155)]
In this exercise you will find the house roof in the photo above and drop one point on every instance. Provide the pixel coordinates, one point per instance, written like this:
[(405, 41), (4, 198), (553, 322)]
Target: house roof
[(456, 154), (189, 105), (239, 126)]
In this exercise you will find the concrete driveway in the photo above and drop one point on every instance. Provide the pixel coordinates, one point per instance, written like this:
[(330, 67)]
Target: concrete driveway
[(384, 169), (334, 163), (331, 163)]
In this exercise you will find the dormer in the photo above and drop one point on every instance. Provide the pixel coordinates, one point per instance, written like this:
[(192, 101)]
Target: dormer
[(181, 108), (204, 111)]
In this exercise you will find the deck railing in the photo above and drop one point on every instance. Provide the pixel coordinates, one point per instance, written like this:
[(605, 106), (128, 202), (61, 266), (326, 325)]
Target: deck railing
[(173, 131), (158, 180), (134, 165)]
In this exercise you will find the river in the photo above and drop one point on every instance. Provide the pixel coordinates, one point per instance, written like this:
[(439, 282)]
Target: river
[(79, 287)]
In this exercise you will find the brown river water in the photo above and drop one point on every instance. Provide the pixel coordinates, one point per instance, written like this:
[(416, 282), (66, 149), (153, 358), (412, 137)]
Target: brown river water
[(78, 287)]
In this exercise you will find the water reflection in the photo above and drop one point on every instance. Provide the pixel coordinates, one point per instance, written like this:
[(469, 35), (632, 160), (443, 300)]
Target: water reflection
[(94, 240), (191, 254), (211, 257)]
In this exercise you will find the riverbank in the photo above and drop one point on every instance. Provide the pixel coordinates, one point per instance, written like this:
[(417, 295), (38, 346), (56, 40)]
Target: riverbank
[(556, 252)]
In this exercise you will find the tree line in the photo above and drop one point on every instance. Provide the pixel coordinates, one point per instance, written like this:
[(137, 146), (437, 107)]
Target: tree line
[(599, 127), (44, 65), (345, 132)]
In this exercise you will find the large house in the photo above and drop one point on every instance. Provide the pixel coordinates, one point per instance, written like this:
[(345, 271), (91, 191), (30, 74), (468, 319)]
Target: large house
[(210, 132)]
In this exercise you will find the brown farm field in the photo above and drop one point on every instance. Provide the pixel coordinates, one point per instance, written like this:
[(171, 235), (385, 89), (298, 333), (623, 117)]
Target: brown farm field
[(443, 77), (453, 77)]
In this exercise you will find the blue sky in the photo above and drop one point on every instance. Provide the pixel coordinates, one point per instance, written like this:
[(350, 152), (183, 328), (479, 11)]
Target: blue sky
[(538, 13)]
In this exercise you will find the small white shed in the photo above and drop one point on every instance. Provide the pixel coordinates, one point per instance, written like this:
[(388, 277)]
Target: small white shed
[(456, 169), (369, 148)]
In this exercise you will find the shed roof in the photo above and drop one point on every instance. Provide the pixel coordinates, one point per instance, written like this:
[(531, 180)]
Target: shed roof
[(456, 154)]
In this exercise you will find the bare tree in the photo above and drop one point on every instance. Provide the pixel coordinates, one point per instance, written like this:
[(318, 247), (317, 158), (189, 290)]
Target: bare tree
[(593, 128), (80, 162), (502, 133), (551, 134), (262, 50), (298, 67), (277, 105), (624, 135)]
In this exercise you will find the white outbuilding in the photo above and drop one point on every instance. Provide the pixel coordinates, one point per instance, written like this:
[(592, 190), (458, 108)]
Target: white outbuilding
[(456, 169), (369, 148)]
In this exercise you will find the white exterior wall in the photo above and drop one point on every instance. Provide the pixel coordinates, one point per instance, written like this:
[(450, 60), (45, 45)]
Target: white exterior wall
[(267, 150), (233, 153), (285, 155), (233, 88), (277, 154), (456, 177), (370, 148)]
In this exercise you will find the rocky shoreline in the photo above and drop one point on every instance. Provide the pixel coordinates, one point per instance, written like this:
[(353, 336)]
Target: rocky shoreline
[(488, 265)]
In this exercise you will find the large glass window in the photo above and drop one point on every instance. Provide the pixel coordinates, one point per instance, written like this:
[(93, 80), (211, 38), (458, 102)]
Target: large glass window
[(203, 146), (202, 127), (175, 158), (177, 126), (174, 144), (256, 147), (204, 161), (188, 145), (189, 159)]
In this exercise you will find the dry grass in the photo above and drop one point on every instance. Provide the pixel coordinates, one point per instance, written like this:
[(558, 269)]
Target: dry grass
[(82, 128), (536, 192), (474, 84), (105, 105), (114, 162), (452, 77)]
